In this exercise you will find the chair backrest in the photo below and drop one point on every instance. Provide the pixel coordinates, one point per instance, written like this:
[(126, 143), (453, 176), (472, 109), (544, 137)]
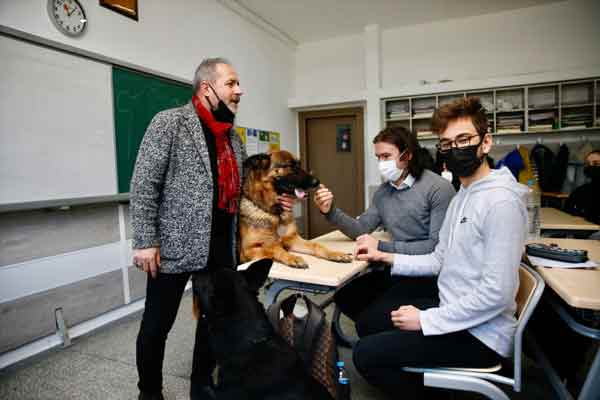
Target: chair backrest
[(531, 286), (527, 284)]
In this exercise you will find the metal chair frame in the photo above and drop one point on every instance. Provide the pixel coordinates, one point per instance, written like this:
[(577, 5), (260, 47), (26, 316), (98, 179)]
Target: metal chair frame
[(481, 382)]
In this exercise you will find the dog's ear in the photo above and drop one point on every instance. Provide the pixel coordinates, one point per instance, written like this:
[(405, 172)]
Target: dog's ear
[(256, 274), (258, 162)]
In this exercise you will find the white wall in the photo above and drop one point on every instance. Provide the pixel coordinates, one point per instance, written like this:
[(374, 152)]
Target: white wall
[(554, 37), (333, 68), (557, 41), (172, 37)]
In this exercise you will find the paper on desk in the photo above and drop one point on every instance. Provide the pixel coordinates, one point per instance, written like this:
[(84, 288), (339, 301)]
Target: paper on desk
[(545, 262)]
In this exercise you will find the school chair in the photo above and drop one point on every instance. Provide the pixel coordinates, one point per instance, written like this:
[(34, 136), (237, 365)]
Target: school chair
[(482, 380)]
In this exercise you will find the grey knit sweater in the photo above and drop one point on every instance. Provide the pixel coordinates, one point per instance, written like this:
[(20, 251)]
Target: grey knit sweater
[(172, 190), (412, 215)]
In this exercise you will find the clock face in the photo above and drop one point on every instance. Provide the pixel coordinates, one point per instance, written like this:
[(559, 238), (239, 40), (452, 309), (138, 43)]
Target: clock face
[(68, 16)]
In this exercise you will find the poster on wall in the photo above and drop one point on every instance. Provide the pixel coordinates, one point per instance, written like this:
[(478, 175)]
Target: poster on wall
[(259, 141), (251, 141), (274, 141), (263, 141), (241, 133)]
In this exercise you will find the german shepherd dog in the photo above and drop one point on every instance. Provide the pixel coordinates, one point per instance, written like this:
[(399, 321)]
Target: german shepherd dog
[(266, 230), (255, 363)]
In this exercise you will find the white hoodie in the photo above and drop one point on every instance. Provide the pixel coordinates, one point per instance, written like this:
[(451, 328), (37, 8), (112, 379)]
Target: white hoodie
[(477, 258)]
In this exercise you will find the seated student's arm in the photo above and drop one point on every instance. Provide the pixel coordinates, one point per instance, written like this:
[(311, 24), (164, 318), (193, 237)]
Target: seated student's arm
[(439, 200), (504, 239), (408, 265)]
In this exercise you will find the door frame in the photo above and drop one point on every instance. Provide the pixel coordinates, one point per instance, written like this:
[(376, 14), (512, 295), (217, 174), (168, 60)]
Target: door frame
[(359, 157)]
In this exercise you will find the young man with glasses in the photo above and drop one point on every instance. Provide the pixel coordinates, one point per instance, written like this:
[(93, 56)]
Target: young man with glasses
[(410, 205), (467, 319)]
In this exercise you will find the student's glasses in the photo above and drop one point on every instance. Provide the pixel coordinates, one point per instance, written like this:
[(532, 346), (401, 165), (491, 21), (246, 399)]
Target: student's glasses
[(444, 146)]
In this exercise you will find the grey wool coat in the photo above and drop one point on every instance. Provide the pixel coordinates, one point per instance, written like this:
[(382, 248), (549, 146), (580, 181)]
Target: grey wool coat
[(171, 192)]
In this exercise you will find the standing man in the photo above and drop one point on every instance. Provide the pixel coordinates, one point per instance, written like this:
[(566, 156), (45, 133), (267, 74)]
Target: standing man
[(185, 193), (468, 318), (410, 205)]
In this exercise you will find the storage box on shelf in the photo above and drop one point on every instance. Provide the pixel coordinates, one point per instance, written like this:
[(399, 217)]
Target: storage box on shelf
[(554, 111)]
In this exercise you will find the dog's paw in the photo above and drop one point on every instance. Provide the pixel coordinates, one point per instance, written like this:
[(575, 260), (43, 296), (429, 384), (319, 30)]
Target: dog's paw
[(296, 262), (340, 257)]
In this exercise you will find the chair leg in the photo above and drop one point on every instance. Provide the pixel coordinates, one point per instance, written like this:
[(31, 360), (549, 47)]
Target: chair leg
[(465, 383)]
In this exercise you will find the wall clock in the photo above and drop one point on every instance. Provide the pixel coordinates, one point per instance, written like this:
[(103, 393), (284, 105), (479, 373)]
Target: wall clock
[(68, 16)]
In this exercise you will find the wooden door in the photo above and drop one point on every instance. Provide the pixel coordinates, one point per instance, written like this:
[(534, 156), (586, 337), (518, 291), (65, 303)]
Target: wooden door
[(331, 146)]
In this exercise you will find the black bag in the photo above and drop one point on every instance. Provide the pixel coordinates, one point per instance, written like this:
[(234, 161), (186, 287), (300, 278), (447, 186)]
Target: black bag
[(311, 336)]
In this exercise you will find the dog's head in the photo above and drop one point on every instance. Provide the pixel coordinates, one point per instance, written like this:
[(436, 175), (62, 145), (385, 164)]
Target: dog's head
[(228, 300), (275, 173)]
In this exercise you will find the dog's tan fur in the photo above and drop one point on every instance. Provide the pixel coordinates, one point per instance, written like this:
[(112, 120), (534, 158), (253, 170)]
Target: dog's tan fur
[(266, 231)]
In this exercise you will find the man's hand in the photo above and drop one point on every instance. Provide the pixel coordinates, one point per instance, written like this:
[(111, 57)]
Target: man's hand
[(407, 318), (366, 250), (323, 199), (286, 202), (147, 260)]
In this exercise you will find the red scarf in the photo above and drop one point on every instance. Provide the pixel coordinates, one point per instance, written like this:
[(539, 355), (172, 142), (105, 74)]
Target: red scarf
[(229, 177)]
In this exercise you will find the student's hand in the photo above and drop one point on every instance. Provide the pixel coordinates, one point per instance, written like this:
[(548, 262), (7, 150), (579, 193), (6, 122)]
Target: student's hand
[(366, 250), (148, 260), (286, 202), (323, 199), (367, 240), (407, 318)]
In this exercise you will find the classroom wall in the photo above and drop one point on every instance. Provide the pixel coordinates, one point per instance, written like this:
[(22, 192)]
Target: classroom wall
[(78, 258), (557, 41), (172, 37), (321, 72), (554, 37)]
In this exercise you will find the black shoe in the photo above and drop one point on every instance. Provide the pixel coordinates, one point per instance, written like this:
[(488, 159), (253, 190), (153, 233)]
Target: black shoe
[(202, 392), (151, 396)]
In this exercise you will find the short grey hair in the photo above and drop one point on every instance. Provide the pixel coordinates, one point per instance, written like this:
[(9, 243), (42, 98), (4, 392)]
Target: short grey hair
[(206, 70)]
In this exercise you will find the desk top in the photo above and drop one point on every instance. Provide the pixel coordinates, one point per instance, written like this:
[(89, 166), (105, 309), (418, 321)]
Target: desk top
[(577, 287), (324, 272), (552, 218)]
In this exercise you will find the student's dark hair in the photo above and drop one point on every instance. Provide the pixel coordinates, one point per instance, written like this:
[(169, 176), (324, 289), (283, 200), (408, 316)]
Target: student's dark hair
[(403, 139), (463, 108)]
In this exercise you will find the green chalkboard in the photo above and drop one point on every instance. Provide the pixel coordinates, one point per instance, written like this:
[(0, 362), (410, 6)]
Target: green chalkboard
[(137, 98)]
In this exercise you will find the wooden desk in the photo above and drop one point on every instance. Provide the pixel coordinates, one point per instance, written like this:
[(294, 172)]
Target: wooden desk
[(321, 275), (579, 288), (554, 219)]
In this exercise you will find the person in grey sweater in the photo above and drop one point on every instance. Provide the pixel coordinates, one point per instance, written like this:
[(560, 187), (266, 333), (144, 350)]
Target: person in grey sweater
[(410, 205), (468, 318)]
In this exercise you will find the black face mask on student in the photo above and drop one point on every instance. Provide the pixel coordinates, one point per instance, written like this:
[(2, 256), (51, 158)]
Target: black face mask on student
[(222, 113), (592, 172), (463, 161)]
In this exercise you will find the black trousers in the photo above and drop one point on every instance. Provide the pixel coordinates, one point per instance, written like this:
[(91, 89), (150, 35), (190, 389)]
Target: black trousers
[(384, 350), (163, 296)]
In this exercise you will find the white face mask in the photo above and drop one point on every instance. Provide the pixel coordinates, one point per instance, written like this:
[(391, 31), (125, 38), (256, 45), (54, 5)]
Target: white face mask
[(447, 175), (389, 171)]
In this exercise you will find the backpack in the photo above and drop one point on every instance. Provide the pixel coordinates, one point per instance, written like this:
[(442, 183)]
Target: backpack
[(310, 336), (543, 158)]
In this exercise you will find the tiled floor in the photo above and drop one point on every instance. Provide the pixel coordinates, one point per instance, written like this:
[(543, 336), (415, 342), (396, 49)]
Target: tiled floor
[(102, 366)]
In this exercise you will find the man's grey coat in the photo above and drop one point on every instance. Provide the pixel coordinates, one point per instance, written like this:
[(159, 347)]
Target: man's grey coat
[(172, 190)]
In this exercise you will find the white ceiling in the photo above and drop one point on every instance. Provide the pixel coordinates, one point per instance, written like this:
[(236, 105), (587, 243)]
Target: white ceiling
[(312, 20)]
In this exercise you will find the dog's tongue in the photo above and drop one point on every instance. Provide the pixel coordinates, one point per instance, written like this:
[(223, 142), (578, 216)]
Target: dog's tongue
[(299, 193)]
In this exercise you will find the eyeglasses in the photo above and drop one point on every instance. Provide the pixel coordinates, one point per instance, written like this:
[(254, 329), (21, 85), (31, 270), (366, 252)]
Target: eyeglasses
[(444, 146)]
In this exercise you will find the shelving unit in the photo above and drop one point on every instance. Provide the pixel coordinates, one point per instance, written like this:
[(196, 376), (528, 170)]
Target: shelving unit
[(565, 111)]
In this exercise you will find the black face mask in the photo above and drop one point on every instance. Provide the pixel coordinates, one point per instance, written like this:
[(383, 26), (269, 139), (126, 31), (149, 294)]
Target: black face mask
[(592, 172), (463, 161), (222, 113)]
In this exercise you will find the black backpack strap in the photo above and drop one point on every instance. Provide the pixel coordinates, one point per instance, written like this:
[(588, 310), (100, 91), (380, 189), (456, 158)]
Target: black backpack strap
[(286, 304), (314, 322)]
